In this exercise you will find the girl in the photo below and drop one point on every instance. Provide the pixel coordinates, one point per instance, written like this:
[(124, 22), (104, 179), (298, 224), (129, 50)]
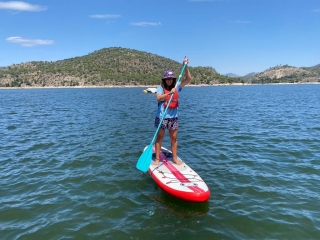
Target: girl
[(170, 121)]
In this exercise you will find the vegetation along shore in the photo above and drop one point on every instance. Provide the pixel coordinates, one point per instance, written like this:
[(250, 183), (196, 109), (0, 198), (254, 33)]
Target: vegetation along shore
[(122, 67)]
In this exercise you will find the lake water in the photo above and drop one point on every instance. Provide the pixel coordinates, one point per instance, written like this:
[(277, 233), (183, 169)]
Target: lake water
[(68, 156)]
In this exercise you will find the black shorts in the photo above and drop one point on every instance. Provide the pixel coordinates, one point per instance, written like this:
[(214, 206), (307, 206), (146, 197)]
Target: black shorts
[(167, 123)]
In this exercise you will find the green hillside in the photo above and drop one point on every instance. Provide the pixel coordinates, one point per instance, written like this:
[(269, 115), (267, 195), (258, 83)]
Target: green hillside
[(109, 66)]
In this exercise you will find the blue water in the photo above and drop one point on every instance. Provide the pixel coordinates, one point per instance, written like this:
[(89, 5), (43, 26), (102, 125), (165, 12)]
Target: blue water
[(67, 164)]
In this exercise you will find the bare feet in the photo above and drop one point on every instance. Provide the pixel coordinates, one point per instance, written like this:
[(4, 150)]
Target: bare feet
[(176, 161), (156, 162)]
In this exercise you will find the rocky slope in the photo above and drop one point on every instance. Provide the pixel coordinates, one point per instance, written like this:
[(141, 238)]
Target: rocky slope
[(286, 74)]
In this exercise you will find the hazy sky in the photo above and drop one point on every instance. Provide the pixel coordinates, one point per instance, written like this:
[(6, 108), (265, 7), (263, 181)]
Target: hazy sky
[(232, 36)]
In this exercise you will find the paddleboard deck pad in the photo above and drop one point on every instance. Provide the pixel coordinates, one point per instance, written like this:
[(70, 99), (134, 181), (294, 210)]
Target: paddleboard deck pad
[(179, 181)]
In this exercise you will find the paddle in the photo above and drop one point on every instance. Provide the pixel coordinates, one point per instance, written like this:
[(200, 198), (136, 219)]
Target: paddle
[(146, 157)]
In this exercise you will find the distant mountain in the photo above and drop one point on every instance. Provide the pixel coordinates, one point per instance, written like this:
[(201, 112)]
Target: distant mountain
[(249, 75), (105, 67), (232, 75), (287, 74), (315, 68)]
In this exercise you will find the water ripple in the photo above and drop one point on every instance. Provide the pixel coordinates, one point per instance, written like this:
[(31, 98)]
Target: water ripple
[(68, 164)]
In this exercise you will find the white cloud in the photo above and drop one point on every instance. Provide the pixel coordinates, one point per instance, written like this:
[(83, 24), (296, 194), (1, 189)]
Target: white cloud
[(29, 42), (105, 16), (21, 6), (144, 24)]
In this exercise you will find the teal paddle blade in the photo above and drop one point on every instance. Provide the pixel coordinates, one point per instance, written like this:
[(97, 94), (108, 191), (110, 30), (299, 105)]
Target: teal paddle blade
[(145, 159)]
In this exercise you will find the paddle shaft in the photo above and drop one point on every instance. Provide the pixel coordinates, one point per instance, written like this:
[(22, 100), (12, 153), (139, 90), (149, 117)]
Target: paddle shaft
[(166, 109)]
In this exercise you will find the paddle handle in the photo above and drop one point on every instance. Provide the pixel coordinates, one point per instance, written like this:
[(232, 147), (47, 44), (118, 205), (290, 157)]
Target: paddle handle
[(166, 109)]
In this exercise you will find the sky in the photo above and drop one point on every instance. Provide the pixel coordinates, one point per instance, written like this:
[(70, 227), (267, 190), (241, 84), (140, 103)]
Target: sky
[(232, 36)]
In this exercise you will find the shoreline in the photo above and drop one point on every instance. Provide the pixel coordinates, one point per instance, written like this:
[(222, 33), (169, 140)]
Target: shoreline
[(154, 86)]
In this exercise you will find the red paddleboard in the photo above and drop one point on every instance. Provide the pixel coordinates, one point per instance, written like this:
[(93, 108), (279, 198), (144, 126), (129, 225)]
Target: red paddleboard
[(179, 181)]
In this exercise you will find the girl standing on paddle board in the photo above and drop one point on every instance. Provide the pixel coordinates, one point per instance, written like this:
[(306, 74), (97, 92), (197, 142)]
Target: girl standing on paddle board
[(170, 121)]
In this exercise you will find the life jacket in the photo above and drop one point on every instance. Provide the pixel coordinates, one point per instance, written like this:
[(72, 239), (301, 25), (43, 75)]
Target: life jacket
[(174, 102)]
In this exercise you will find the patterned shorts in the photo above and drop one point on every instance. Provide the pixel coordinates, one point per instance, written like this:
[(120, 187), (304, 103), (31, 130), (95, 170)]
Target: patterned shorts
[(167, 123)]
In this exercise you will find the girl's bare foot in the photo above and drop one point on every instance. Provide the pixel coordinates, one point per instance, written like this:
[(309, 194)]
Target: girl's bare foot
[(176, 161), (156, 162)]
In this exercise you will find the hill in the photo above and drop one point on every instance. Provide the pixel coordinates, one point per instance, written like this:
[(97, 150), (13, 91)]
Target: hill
[(315, 69), (249, 75), (287, 74), (231, 75), (108, 66)]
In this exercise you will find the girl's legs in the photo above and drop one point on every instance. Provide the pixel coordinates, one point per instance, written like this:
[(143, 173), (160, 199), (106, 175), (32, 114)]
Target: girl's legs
[(174, 145), (158, 144)]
